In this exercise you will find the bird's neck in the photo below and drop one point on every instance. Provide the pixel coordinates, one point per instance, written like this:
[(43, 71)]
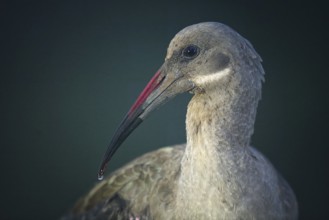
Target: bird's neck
[(221, 119), (219, 126)]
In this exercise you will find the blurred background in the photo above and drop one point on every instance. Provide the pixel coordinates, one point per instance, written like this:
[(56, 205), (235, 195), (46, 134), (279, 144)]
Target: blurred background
[(70, 70)]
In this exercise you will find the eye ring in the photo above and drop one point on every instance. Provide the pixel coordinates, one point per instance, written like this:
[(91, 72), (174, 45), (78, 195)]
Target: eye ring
[(191, 51)]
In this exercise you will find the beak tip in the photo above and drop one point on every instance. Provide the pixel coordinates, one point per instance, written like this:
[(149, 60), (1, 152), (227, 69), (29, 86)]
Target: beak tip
[(101, 171), (101, 174)]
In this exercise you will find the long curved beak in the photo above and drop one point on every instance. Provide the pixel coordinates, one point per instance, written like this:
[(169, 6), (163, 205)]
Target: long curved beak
[(163, 86)]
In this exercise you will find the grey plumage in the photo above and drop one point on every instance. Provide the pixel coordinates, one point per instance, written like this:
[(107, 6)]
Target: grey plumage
[(216, 175)]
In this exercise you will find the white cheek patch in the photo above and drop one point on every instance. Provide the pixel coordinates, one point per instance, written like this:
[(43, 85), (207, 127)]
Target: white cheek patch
[(213, 77)]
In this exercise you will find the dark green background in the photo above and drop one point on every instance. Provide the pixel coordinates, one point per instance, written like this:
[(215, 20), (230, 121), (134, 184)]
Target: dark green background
[(71, 69)]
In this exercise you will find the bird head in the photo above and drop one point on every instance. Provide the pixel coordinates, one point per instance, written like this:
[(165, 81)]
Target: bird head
[(200, 58)]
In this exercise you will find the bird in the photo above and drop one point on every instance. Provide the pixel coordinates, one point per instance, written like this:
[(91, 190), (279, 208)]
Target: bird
[(216, 174)]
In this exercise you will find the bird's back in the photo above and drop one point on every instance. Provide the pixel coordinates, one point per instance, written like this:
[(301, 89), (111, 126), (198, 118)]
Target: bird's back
[(146, 187), (132, 192)]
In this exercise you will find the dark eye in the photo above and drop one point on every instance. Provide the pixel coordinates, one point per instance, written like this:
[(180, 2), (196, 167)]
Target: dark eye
[(191, 51)]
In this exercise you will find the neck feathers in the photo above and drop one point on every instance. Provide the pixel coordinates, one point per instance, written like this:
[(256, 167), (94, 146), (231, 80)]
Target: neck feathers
[(219, 126)]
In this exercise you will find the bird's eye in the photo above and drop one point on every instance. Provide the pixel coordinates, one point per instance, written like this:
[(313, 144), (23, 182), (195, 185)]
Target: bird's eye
[(190, 51)]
